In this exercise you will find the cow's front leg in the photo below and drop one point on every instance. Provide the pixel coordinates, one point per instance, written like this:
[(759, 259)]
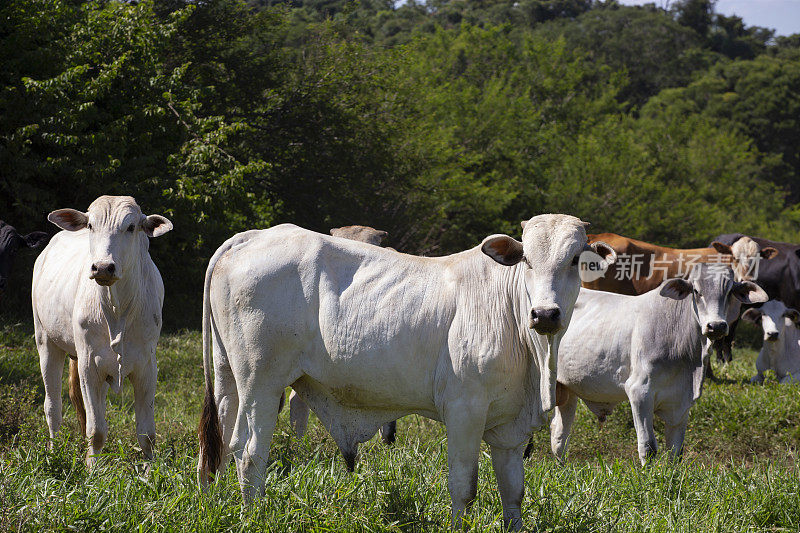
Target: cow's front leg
[(508, 468), (641, 398), (762, 365), (51, 363), (465, 426), (674, 434), (94, 390), (561, 425), (144, 395)]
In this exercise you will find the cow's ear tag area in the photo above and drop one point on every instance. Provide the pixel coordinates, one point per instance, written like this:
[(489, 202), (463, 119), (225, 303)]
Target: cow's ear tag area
[(503, 249), (69, 219), (748, 292), (793, 315), (156, 225), (676, 288)]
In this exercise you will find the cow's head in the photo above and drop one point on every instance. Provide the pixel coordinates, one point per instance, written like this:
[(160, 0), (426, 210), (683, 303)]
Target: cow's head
[(10, 242), (118, 233), (713, 290), (360, 233), (550, 251), (746, 255), (774, 317)]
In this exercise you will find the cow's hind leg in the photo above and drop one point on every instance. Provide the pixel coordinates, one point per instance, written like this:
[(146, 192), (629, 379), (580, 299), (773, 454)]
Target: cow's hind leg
[(256, 419), (508, 468), (75, 395), (388, 432), (227, 398), (51, 363), (298, 414), (144, 394)]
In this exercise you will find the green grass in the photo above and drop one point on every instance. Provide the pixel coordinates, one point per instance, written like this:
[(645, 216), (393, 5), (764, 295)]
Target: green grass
[(739, 470)]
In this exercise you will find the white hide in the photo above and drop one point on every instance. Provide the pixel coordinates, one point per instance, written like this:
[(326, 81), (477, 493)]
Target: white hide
[(111, 329), (366, 335), (647, 349), (781, 349)]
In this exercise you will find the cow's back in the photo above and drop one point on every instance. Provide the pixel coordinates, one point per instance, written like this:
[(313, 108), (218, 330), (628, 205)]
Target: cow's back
[(353, 314)]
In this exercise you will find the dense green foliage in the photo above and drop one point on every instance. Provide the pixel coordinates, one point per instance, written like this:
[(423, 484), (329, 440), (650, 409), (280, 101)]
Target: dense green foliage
[(440, 122), (738, 473)]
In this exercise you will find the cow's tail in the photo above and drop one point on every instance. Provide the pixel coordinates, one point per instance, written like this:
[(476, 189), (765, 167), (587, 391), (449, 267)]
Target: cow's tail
[(209, 430)]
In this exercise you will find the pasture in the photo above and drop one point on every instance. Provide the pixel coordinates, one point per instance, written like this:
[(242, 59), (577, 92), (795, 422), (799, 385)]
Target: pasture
[(739, 471)]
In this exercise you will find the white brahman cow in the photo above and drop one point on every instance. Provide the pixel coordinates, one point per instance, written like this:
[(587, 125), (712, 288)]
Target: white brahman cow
[(97, 296), (647, 349), (781, 349), (366, 335), (298, 410)]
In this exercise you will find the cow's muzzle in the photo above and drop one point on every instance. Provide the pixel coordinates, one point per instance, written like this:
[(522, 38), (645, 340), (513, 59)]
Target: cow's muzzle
[(545, 320), (771, 336), (104, 273), (716, 330)]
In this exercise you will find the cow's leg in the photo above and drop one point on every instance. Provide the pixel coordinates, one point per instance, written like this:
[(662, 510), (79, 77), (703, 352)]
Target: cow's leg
[(51, 363), (227, 398), (258, 410), (642, 403), (508, 468), (75, 395), (298, 414), (727, 342), (94, 390), (762, 365), (144, 395), (561, 425), (388, 431), (674, 433), (465, 427)]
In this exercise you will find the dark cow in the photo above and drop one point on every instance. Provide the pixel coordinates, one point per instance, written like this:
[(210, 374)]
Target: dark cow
[(779, 277), (10, 242)]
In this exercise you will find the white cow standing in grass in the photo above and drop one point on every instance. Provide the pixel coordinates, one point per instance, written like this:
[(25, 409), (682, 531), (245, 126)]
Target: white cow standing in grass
[(97, 296), (647, 349), (366, 335), (781, 349), (298, 410)]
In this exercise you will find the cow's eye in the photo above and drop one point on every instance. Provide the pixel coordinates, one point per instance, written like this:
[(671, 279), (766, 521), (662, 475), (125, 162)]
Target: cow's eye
[(130, 228), (89, 226)]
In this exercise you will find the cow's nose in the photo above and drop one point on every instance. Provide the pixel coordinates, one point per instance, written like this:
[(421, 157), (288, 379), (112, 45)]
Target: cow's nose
[(716, 330), (546, 320), (771, 336), (103, 272)]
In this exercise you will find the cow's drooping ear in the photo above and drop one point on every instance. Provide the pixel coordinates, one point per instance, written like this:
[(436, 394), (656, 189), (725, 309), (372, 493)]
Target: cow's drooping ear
[(793, 315), (676, 288), (35, 239), (605, 251), (768, 253), (503, 249), (722, 248), (752, 315), (156, 225), (749, 293), (69, 219)]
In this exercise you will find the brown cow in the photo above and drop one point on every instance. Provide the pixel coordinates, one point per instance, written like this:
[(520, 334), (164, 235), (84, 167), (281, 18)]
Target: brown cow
[(641, 266)]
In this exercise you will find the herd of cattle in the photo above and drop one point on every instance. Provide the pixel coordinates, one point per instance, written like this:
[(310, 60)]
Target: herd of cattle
[(486, 341)]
